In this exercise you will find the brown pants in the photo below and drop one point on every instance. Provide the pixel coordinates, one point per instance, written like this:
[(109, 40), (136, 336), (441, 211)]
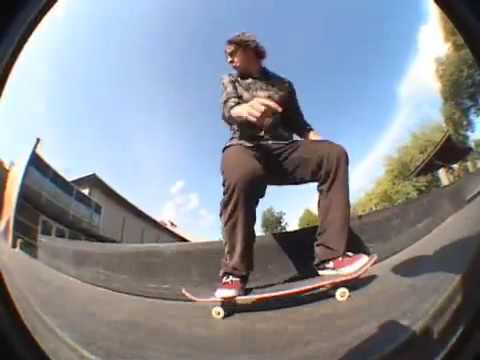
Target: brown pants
[(246, 173)]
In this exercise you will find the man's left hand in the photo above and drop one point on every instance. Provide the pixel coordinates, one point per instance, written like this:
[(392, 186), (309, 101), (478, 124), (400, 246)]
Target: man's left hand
[(313, 135)]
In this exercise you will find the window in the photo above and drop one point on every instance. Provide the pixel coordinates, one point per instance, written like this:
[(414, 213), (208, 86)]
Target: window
[(83, 199), (40, 165), (60, 232), (46, 228), (73, 235), (62, 184)]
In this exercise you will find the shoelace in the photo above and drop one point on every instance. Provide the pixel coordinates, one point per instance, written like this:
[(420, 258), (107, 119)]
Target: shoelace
[(229, 279), (347, 254)]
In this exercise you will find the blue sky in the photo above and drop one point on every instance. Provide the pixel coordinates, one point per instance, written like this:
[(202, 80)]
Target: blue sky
[(131, 91)]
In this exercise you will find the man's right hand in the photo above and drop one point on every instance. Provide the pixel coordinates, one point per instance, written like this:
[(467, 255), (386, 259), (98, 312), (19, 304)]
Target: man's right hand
[(256, 110)]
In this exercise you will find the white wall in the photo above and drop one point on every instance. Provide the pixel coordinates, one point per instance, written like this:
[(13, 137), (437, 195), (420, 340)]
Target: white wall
[(114, 215)]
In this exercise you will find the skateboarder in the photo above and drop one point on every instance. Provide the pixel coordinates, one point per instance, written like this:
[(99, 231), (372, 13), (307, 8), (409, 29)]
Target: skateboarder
[(263, 113)]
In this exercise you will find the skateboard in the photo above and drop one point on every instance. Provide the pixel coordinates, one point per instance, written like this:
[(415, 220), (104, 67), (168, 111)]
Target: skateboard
[(225, 306)]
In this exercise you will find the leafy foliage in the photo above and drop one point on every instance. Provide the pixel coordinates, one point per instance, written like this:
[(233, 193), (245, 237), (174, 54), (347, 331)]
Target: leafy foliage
[(307, 219), (396, 186), (273, 221), (459, 78)]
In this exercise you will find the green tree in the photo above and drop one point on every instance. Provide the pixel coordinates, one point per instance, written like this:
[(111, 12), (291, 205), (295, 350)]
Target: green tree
[(476, 145), (273, 221), (308, 218), (474, 157), (459, 78), (396, 185)]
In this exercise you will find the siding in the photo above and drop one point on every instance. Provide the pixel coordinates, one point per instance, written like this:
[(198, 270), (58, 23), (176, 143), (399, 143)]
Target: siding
[(116, 217)]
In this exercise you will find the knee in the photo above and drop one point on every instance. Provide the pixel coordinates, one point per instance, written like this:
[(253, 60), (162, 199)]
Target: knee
[(340, 152), (244, 179)]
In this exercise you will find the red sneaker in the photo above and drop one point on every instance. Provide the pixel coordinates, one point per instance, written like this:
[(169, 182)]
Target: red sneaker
[(343, 265), (230, 286)]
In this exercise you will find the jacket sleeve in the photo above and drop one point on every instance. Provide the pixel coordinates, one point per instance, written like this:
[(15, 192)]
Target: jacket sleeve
[(230, 99), (295, 120)]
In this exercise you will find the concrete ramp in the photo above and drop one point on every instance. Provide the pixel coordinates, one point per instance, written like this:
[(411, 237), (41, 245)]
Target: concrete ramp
[(410, 302), (161, 270)]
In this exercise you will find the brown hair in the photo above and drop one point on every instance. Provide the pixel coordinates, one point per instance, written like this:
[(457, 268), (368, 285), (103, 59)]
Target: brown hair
[(246, 40)]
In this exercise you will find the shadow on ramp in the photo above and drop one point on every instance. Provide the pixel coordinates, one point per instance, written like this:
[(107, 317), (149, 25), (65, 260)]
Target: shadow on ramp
[(300, 250), (444, 333), (389, 334), (448, 259)]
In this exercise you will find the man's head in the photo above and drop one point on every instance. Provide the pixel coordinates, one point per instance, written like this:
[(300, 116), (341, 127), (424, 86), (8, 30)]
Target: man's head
[(245, 53)]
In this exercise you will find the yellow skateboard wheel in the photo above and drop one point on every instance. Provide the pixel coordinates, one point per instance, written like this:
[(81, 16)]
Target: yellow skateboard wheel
[(342, 294), (218, 312)]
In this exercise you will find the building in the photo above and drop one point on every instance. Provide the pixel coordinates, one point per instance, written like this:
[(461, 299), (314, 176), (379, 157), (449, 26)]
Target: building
[(121, 220), (444, 158), (86, 209), (182, 233)]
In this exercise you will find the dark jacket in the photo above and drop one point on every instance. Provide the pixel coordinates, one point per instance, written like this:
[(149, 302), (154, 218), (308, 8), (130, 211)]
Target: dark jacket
[(281, 127)]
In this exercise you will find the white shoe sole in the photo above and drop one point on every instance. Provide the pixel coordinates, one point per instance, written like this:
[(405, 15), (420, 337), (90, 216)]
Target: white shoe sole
[(226, 293)]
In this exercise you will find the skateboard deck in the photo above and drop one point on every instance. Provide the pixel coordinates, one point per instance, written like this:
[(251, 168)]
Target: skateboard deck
[(338, 282)]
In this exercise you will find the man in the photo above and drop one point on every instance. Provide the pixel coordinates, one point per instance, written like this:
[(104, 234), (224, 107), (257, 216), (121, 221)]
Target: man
[(262, 111)]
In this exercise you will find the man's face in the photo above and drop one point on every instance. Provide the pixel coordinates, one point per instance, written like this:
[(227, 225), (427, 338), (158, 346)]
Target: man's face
[(242, 60)]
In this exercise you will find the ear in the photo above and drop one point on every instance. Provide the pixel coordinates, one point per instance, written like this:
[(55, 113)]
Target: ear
[(250, 53)]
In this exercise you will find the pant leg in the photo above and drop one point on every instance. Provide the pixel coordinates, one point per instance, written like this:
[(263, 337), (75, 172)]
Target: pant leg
[(326, 163), (244, 184)]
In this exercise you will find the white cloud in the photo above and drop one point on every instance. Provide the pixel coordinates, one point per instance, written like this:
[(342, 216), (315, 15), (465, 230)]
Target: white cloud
[(177, 186), (169, 211), (184, 208), (193, 201), (179, 205), (418, 102), (206, 218)]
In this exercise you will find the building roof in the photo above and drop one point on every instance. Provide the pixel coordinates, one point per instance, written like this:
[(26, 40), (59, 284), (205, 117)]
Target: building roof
[(172, 226), (94, 180), (446, 152)]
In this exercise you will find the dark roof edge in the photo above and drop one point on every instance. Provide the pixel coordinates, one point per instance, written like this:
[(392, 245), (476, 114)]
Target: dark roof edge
[(429, 155)]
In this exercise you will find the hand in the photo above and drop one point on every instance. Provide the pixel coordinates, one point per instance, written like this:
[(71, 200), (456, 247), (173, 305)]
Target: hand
[(257, 110), (312, 135)]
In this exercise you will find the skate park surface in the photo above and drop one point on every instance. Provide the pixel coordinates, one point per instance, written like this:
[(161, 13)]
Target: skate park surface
[(112, 301), (82, 300)]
